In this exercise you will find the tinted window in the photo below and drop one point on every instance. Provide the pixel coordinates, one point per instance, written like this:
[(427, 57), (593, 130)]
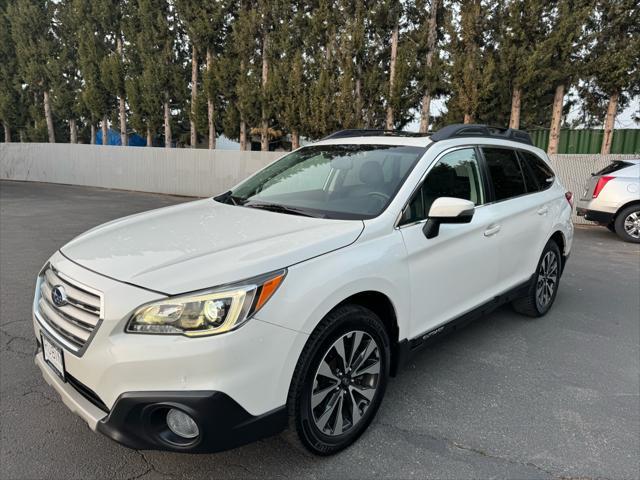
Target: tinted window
[(506, 175), (541, 171), (613, 167), (455, 175), (332, 181)]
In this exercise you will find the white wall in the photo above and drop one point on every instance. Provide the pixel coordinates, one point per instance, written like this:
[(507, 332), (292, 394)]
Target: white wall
[(191, 172)]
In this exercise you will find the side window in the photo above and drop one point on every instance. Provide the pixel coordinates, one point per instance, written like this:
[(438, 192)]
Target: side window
[(455, 175), (539, 168), (506, 175)]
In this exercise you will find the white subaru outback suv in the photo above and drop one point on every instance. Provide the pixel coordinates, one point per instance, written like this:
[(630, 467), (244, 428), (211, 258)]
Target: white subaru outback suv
[(290, 300)]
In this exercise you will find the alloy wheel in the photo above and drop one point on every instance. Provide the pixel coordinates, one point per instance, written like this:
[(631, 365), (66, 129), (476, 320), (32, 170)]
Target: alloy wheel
[(345, 383), (632, 224), (547, 279)]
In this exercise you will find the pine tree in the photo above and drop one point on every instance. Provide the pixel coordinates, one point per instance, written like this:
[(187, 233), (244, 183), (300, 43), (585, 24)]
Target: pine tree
[(430, 74), (612, 67), (558, 59), (471, 71), (10, 85), (31, 31)]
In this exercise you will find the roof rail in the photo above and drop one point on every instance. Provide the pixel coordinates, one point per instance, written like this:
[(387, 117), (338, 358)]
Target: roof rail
[(370, 132), (476, 130)]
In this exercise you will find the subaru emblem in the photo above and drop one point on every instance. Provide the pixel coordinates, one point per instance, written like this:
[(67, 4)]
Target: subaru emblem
[(59, 296)]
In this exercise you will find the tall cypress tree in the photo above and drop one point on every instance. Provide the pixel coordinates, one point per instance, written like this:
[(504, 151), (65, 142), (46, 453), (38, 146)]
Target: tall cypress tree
[(612, 67), (31, 31), (10, 86)]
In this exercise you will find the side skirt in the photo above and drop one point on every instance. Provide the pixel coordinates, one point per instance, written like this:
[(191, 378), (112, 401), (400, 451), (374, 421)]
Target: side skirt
[(407, 348)]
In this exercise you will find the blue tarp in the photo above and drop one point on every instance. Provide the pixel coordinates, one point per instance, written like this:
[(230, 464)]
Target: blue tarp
[(113, 138)]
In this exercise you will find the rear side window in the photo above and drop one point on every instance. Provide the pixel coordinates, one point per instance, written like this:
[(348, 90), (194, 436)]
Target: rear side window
[(613, 167), (539, 168), (506, 175)]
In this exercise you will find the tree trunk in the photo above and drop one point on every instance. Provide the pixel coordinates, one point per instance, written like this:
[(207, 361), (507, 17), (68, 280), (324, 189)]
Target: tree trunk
[(21, 136), (211, 119), (167, 125), (358, 95), (243, 134), (105, 130), (392, 76), (194, 95), (431, 45), (124, 139), (149, 138), (468, 118), (516, 100), (7, 133), (264, 122), (93, 135), (295, 139), (609, 124), (73, 130), (556, 120), (49, 117)]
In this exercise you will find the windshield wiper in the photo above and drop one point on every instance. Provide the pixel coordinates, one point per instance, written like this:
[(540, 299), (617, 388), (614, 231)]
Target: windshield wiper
[(227, 197), (274, 207)]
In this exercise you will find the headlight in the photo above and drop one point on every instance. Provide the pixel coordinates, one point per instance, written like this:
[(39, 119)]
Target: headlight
[(206, 313)]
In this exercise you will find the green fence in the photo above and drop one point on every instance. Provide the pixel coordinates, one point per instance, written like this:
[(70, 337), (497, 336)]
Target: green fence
[(589, 140)]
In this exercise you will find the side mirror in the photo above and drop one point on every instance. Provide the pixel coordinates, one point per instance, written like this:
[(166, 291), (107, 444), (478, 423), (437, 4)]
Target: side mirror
[(447, 210)]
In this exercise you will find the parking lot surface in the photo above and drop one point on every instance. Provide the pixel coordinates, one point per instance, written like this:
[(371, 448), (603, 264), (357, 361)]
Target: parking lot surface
[(505, 397)]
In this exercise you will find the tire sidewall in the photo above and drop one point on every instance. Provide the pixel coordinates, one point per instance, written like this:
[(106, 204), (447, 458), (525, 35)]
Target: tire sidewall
[(619, 223), (551, 246), (360, 319)]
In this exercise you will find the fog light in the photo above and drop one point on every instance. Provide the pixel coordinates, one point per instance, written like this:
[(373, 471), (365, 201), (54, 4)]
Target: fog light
[(182, 424)]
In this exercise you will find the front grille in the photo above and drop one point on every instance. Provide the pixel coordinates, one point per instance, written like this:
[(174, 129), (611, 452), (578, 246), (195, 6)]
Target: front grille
[(74, 322)]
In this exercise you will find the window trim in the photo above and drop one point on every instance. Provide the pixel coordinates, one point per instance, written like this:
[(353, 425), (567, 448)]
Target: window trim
[(483, 182)]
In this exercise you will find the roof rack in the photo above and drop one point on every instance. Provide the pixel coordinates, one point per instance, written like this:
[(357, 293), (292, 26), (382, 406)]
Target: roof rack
[(475, 130), (370, 132)]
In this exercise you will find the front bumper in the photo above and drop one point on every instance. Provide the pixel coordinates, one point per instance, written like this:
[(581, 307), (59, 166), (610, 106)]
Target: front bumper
[(137, 419)]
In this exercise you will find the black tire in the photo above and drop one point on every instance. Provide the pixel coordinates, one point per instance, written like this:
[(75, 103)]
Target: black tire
[(532, 303), (627, 215), (336, 327)]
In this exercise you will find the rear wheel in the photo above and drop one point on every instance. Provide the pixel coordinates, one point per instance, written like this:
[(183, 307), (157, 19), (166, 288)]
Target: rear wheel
[(627, 224), (544, 285), (339, 381)]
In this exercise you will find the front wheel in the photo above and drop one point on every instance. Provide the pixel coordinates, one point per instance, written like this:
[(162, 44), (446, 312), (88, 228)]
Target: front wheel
[(544, 285), (627, 224), (340, 380)]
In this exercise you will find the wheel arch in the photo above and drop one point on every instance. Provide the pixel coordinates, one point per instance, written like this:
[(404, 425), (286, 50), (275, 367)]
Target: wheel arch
[(626, 205)]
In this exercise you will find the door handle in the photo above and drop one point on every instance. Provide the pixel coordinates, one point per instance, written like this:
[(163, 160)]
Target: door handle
[(543, 211), (492, 230)]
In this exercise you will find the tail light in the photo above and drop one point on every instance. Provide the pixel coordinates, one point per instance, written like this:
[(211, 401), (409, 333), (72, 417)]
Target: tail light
[(569, 197), (602, 181)]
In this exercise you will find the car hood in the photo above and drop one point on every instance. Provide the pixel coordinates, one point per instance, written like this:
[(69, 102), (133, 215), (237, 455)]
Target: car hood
[(203, 244)]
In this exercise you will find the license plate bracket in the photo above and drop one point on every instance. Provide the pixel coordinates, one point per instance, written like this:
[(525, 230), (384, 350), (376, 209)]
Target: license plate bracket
[(54, 356)]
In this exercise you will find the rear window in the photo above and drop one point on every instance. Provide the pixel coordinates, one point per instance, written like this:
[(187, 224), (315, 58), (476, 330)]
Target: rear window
[(541, 171), (613, 167), (506, 176)]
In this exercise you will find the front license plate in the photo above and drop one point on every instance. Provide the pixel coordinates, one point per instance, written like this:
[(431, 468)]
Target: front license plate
[(54, 356)]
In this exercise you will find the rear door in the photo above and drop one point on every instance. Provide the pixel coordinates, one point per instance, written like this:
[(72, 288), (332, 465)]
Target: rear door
[(521, 212)]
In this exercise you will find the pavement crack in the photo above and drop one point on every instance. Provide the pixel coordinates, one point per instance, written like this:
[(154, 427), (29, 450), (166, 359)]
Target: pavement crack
[(477, 451), (150, 467)]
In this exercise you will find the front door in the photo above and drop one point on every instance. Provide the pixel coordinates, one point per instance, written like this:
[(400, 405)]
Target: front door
[(457, 270)]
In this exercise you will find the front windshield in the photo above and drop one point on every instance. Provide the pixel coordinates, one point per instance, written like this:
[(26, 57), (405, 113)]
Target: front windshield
[(330, 181)]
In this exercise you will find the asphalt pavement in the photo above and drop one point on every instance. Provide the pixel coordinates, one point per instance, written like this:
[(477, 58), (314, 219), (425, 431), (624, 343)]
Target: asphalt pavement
[(505, 397)]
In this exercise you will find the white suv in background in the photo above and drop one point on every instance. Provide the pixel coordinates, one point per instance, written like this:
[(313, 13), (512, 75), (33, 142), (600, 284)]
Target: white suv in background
[(290, 300), (611, 197)]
